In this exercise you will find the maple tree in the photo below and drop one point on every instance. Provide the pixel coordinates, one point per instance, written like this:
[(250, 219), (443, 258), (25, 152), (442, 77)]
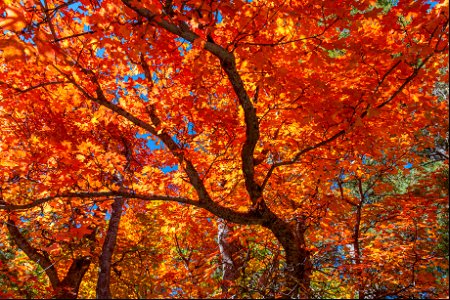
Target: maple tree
[(192, 148)]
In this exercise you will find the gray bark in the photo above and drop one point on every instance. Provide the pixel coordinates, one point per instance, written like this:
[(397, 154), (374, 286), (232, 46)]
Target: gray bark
[(227, 249)]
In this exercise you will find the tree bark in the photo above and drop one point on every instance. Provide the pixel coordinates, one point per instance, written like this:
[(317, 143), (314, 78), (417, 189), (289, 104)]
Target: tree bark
[(298, 258), (104, 275), (356, 245), (70, 285), (67, 288), (228, 250)]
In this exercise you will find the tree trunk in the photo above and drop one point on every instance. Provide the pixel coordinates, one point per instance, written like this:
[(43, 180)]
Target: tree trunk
[(227, 249), (298, 260), (69, 286), (104, 275), (356, 245)]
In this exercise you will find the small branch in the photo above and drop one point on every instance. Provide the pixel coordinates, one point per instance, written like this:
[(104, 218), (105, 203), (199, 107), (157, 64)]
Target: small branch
[(73, 36), (299, 154), (408, 80), (362, 115), (280, 42), (192, 173), (341, 190), (101, 100), (186, 260), (33, 87), (49, 19)]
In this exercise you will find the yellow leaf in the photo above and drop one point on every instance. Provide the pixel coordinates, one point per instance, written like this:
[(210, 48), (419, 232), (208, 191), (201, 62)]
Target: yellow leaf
[(80, 157), (7, 164), (14, 20)]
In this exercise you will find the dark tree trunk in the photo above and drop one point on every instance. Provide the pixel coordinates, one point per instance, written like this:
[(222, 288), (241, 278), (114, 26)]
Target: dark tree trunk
[(104, 275), (69, 286), (298, 259)]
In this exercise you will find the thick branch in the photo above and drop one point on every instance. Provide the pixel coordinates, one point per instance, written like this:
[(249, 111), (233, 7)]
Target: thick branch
[(246, 218), (192, 173), (185, 34), (69, 286), (188, 166), (228, 64), (42, 259), (205, 201)]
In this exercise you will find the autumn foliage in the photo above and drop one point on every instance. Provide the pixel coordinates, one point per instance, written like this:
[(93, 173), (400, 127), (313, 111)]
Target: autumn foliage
[(200, 148)]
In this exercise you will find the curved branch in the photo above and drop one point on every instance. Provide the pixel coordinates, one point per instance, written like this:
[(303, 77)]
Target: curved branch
[(67, 288), (361, 116), (228, 63), (82, 195), (42, 259), (281, 42), (245, 218), (20, 91), (101, 99), (73, 36), (407, 80), (299, 154)]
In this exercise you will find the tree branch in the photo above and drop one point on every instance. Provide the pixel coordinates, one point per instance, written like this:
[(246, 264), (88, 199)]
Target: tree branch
[(362, 115), (71, 283), (407, 80), (245, 218), (73, 36), (69, 286), (32, 87), (83, 195), (281, 42), (41, 259), (192, 173), (228, 63), (298, 155)]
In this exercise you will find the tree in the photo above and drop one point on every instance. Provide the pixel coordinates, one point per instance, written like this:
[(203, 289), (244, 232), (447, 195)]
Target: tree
[(256, 113)]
